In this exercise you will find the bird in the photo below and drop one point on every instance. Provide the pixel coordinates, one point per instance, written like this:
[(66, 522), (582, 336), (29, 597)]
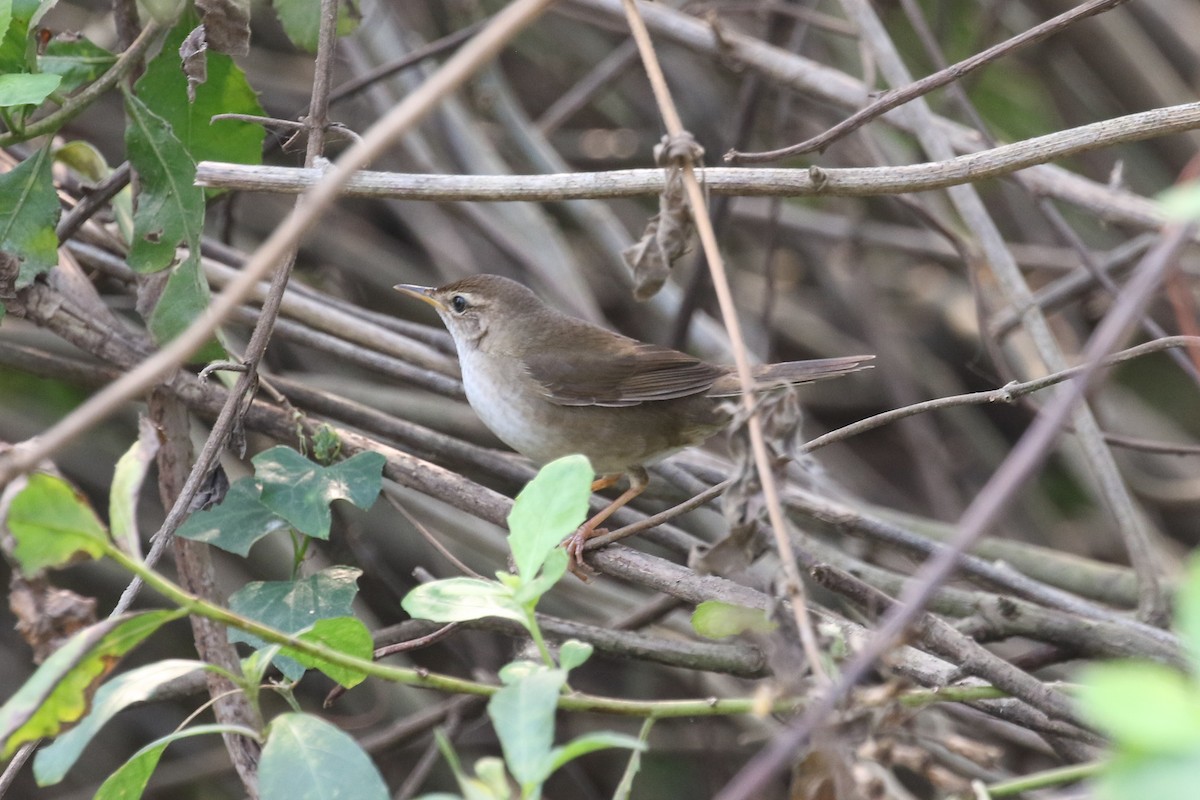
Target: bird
[(549, 385)]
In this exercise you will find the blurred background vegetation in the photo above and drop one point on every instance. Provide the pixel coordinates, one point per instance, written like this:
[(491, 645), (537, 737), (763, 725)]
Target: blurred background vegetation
[(813, 277)]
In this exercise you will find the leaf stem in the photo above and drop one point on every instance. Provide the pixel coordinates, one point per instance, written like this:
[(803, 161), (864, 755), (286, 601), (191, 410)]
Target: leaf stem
[(76, 105), (704, 707)]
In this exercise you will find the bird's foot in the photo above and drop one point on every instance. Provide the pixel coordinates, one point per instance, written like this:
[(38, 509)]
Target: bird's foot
[(574, 545)]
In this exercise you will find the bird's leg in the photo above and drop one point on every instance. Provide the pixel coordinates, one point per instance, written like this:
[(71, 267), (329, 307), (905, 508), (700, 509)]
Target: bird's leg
[(638, 480)]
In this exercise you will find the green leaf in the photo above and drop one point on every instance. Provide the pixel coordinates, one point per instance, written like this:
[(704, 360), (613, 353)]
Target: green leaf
[(57, 694), (183, 299), (236, 523), (6, 10), (1187, 613), (713, 619), (170, 208), (26, 89), (53, 761), (460, 600), (294, 606), (522, 713), (554, 567), (300, 490), (1181, 203), (53, 525), (77, 62), (128, 476), (301, 20), (226, 91), (346, 635), (625, 787), (306, 758), (1143, 706), (1131, 777), (129, 781), (16, 47), (84, 159), (29, 211), (573, 653), (548, 510)]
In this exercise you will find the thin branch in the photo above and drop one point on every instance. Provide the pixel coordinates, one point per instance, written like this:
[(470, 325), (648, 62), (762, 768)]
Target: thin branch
[(848, 182), (1005, 394), (403, 116), (716, 265), (124, 66), (954, 72), (989, 503)]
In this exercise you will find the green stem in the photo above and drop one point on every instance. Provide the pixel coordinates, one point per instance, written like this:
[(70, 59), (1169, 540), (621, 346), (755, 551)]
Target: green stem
[(1041, 780), (536, 632), (428, 680), (72, 108)]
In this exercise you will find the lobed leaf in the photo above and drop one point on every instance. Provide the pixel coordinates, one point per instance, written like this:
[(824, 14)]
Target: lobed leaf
[(295, 606), (300, 490), (236, 523)]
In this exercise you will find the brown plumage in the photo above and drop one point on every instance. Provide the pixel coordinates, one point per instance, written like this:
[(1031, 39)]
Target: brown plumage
[(550, 385)]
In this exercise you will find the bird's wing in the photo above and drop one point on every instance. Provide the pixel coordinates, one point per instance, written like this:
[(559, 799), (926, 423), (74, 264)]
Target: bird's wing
[(602, 368)]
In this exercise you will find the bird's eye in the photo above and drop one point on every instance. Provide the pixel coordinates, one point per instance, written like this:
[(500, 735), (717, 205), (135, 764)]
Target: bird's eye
[(458, 304)]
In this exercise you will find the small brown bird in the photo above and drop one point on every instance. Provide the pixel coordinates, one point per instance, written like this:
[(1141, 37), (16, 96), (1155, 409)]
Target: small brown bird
[(550, 385)]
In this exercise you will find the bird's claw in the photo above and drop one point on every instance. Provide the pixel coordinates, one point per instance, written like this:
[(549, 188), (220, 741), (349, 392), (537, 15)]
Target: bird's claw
[(574, 545)]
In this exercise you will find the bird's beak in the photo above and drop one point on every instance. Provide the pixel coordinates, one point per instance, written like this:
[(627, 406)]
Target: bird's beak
[(424, 293)]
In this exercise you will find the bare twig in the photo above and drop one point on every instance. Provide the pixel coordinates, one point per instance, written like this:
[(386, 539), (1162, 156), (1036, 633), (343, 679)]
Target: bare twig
[(716, 264), (457, 69), (983, 511), (850, 182), (899, 97)]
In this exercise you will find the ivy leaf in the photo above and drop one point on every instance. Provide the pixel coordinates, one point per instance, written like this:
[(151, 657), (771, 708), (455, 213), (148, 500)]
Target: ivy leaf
[(29, 211), (57, 694), (1145, 707), (300, 490), (294, 606), (306, 758), (53, 525), (236, 523)]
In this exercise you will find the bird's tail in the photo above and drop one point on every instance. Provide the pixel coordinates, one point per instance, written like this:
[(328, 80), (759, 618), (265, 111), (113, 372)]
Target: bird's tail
[(790, 373)]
